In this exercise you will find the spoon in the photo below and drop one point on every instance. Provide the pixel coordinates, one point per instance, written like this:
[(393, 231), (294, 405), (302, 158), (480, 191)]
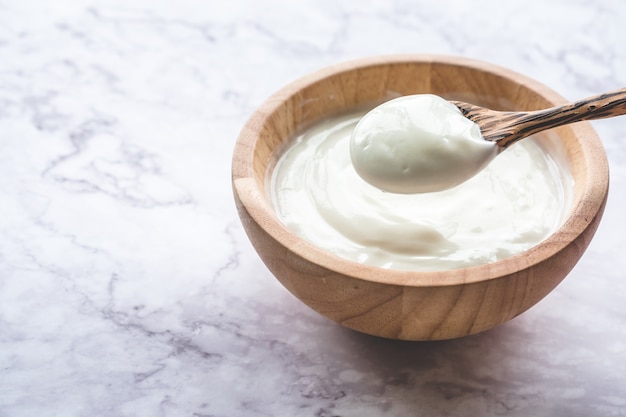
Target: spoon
[(424, 143), (505, 128)]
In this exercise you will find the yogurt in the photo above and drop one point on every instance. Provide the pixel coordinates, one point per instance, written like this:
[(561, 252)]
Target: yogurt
[(418, 143), (510, 206)]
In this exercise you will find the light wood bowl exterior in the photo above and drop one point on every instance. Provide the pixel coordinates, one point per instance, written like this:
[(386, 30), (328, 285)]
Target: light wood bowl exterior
[(399, 304)]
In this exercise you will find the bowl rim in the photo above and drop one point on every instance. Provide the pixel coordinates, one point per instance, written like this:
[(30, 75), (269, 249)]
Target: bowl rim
[(255, 200)]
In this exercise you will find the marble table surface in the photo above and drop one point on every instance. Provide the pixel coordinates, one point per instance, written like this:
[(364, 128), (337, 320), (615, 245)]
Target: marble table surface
[(127, 284)]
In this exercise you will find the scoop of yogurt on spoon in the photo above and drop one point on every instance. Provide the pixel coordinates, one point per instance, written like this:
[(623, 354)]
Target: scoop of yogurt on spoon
[(423, 143), (416, 144)]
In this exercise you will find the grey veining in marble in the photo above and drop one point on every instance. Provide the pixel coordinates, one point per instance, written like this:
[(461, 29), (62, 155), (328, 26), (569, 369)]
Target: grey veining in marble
[(127, 285)]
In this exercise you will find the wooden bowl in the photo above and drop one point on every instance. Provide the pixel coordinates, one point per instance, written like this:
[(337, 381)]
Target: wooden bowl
[(414, 305)]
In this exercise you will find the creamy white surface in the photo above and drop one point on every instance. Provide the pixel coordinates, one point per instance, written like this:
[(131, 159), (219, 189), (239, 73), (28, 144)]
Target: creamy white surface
[(418, 144), (511, 205), (127, 285)]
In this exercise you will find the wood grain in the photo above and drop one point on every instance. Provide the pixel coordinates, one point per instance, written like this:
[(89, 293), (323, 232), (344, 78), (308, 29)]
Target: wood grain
[(399, 304), (507, 127)]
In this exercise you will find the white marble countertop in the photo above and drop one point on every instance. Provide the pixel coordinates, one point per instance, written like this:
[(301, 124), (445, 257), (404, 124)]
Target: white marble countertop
[(127, 285)]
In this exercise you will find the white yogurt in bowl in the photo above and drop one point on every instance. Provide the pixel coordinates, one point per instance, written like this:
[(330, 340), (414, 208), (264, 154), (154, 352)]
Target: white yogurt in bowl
[(513, 204), (294, 186)]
